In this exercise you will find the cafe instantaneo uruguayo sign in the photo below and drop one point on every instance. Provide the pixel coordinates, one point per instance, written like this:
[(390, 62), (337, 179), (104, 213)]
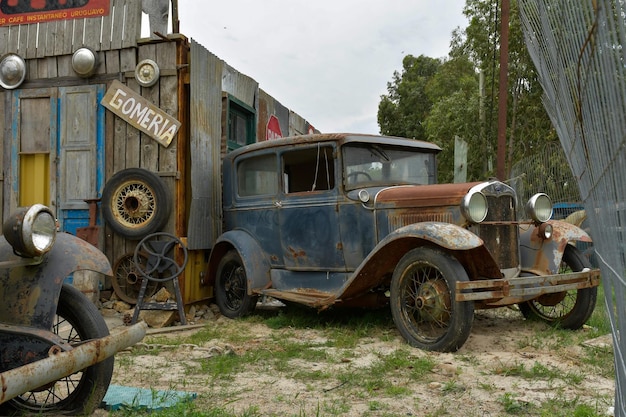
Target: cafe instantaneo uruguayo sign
[(140, 113)]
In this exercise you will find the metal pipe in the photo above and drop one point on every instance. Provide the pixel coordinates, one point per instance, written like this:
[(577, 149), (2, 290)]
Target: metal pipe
[(36, 374)]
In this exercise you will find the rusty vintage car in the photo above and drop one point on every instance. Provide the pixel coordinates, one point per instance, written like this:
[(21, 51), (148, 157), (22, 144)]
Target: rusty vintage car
[(358, 220), (56, 353)]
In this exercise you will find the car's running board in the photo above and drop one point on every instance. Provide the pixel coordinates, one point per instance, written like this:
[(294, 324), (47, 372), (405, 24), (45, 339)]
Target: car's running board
[(307, 296)]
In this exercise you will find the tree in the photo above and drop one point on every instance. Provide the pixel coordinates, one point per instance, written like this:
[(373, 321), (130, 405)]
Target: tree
[(437, 99), (528, 125), (454, 93), (403, 111)]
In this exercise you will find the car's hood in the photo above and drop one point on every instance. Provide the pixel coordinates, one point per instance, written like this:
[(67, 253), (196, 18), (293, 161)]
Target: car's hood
[(436, 195)]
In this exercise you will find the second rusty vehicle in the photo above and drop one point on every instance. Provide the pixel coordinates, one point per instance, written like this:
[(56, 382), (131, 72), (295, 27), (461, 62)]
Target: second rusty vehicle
[(340, 220)]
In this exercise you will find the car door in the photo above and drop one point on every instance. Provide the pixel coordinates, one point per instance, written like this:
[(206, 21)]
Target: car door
[(308, 215)]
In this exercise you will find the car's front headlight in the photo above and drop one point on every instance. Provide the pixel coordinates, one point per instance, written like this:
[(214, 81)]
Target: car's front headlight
[(31, 230), (539, 207), (474, 206)]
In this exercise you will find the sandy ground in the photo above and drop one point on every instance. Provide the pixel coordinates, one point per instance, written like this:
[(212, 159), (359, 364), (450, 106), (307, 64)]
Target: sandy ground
[(475, 381)]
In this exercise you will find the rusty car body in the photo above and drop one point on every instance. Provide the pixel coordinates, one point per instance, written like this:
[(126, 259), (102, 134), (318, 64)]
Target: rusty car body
[(56, 353), (341, 219)]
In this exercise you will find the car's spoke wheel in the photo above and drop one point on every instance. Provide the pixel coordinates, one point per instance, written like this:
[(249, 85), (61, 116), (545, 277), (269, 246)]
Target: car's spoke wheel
[(423, 301), (135, 203), (231, 287), (127, 278), (568, 309), (81, 393)]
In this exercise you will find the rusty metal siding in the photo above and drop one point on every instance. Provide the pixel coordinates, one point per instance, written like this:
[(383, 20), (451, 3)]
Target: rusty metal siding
[(120, 29), (269, 106), (298, 125), (5, 133), (240, 86), (205, 108)]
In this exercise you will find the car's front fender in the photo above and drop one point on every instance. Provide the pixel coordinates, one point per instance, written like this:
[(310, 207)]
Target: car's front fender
[(446, 235), (543, 256), (382, 260), (255, 262), (30, 290)]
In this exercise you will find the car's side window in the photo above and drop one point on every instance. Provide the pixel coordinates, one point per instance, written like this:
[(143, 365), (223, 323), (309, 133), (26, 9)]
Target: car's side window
[(308, 170), (257, 176)]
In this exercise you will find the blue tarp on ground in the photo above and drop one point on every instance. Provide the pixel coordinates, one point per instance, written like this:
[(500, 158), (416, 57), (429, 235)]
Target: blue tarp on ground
[(118, 397)]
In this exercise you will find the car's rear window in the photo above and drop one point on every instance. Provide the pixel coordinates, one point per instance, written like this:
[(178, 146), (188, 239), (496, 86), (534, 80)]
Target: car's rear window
[(257, 176)]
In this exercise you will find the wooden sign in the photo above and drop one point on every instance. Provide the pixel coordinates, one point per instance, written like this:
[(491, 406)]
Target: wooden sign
[(20, 12), (140, 113)]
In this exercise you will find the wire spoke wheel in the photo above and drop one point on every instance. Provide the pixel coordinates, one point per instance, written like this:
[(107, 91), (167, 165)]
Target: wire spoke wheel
[(231, 287), (423, 301), (135, 203), (127, 279), (567, 309), (427, 302), (77, 321), (234, 286)]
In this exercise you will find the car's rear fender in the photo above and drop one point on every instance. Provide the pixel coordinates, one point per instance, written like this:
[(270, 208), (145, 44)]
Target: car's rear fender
[(378, 266), (253, 257), (543, 256)]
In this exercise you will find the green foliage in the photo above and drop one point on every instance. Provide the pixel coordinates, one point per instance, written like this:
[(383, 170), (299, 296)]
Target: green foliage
[(436, 100), (403, 110)]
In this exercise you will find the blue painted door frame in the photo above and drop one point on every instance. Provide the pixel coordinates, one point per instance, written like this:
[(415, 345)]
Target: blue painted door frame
[(75, 122)]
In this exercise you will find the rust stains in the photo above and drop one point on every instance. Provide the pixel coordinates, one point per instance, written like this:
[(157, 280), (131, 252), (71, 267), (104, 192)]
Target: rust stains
[(436, 195)]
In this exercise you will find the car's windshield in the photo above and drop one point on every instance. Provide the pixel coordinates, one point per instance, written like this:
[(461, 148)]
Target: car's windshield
[(367, 165)]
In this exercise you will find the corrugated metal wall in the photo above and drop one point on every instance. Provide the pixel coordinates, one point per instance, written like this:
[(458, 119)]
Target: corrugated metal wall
[(205, 215)]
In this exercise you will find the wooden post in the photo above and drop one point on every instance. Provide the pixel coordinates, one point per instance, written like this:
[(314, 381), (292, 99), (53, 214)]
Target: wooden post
[(503, 90)]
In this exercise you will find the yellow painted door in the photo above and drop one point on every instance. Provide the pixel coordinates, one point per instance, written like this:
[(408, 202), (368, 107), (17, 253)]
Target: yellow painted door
[(34, 147)]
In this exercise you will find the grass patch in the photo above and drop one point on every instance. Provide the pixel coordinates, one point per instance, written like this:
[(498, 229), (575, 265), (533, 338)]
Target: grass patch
[(335, 361)]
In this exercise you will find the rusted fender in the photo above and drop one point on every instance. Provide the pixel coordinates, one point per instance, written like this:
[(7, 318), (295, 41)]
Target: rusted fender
[(30, 291), (36, 374), (576, 218), (382, 260), (447, 235), (256, 265), (543, 257)]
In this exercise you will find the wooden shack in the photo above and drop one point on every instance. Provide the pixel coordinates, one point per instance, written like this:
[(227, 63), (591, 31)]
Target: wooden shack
[(150, 119)]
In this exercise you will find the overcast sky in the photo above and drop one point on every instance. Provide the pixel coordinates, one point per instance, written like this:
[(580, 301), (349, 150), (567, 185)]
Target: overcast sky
[(327, 60)]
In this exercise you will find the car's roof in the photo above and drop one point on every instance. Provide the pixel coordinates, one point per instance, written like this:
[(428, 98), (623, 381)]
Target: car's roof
[(342, 138)]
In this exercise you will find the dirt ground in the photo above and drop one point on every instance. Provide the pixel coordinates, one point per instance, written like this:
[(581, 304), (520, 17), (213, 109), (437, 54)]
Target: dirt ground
[(475, 381)]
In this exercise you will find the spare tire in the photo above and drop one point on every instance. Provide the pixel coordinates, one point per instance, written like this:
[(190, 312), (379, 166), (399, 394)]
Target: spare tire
[(135, 203)]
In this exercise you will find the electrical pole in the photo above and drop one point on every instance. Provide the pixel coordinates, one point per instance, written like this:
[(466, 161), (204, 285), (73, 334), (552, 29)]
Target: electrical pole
[(503, 89)]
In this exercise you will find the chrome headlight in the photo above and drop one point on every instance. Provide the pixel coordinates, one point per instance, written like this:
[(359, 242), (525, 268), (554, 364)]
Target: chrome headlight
[(474, 206), (31, 230), (539, 207)]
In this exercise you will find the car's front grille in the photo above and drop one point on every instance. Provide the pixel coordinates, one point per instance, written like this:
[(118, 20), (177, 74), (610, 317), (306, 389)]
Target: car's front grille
[(403, 218), (500, 232)]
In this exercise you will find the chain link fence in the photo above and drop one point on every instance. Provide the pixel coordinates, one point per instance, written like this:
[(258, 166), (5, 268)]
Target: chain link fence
[(578, 49)]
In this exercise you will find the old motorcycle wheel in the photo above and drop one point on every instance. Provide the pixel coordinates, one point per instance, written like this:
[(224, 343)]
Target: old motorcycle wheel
[(569, 309), (423, 305), (81, 393)]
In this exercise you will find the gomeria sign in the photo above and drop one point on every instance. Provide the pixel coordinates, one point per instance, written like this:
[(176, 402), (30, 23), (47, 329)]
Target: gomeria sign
[(140, 113), (20, 12)]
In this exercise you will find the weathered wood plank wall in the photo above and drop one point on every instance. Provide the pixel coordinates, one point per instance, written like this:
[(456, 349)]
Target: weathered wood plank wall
[(127, 147), (120, 29), (190, 166)]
